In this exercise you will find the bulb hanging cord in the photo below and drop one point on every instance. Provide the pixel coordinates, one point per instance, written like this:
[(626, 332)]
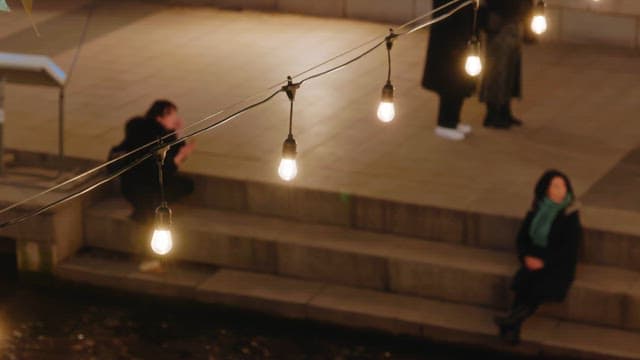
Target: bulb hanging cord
[(475, 18), (290, 89), (389, 41), (161, 155)]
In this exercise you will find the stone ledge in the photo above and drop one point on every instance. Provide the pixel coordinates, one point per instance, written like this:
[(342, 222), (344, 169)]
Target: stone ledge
[(440, 321), (339, 255)]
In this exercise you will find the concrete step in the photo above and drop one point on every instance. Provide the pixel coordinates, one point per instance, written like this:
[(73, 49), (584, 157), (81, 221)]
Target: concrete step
[(343, 256), (352, 307), (48, 238), (611, 238)]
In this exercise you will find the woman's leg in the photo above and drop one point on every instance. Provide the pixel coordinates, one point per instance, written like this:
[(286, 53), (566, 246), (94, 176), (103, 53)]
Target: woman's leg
[(508, 114), (496, 117), (524, 305)]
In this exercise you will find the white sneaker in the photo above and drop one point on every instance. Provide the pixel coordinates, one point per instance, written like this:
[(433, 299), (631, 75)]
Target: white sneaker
[(150, 266), (449, 134), (464, 128)]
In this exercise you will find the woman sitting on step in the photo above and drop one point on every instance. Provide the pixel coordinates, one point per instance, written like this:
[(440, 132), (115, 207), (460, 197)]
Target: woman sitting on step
[(547, 245)]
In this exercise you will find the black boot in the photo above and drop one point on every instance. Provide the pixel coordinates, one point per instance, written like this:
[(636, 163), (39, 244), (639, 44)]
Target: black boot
[(510, 335), (510, 325), (495, 117), (515, 316), (513, 121)]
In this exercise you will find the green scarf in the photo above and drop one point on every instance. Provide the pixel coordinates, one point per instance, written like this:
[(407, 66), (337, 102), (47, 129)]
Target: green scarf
[(546, 214)]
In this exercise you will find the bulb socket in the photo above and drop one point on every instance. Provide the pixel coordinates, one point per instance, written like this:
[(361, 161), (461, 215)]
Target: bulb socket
[(163, 217), (389, 39), (289, 148), (474, 45), (540, 7), (387, 92)]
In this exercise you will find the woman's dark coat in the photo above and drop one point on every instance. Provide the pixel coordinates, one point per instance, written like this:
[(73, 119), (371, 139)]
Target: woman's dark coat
[(503, 22), (446, 55), (560, 258)]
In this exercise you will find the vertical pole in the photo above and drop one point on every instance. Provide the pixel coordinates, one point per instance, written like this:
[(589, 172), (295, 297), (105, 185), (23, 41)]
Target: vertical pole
[(2, 86), (61, 130)]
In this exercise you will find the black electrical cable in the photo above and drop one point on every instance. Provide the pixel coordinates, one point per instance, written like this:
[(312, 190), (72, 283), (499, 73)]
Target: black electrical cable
[(132, 165), (207, 128), (438, 19), (145, 146)]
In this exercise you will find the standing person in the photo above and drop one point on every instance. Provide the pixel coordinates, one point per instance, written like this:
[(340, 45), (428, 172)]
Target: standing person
[(547, 245), (140, 185), (503, 23), (444, 71)]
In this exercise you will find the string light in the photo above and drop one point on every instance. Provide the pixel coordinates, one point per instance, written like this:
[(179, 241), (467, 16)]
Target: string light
[(288, 168), (473, 63), (539, 20), (161, 241), (387, 109)]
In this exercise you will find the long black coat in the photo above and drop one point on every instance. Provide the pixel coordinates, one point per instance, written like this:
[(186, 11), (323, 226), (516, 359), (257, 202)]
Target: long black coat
[(503, 23), (560, 257), (448, 43)]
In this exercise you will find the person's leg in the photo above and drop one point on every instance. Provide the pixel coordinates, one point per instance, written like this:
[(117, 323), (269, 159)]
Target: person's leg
[(497, 116), (524, 305), (178, 186), (142, 201), (509, 115), (449, 111), (449, 117)]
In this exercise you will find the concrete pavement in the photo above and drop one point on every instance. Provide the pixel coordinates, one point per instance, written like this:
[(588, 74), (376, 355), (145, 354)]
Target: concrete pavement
[(579, 107)]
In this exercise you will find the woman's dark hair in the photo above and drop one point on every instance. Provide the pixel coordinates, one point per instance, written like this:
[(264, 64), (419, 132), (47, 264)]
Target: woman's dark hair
[(160, 108), (543, 184)]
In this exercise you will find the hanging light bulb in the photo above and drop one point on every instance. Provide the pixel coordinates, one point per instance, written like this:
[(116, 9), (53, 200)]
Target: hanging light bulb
[(539, 20), (288, 168), (161, 241), (473, 64), (387, 109)]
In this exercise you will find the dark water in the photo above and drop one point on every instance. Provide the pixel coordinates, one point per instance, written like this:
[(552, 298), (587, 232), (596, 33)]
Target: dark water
[(44, 319)]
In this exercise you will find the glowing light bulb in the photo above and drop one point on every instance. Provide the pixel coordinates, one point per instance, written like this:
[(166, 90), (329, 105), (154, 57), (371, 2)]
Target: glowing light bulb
[(386, 111), (539, 24), (161, 242), (473, 65), (288, 169)]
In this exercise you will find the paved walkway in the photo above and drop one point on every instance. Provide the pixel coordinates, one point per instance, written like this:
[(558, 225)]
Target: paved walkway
[(580, 106)]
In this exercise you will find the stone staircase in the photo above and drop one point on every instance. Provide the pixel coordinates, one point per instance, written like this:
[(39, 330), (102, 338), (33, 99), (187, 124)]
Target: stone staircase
[(371, 263)]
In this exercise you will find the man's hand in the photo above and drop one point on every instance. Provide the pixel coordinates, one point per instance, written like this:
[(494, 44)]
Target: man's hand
[(533, 263), (184, 152)]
